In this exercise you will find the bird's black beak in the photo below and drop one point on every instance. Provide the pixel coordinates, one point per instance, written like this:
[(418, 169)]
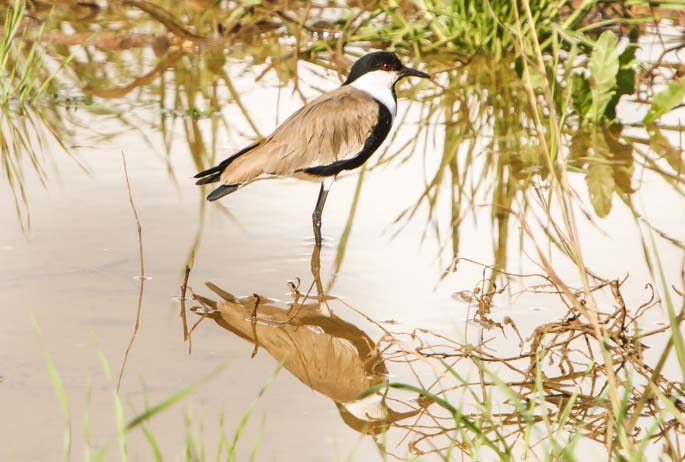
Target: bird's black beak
[(409, 72)]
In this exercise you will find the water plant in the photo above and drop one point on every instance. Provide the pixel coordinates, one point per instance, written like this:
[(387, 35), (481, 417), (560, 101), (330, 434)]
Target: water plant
[(527, 100)]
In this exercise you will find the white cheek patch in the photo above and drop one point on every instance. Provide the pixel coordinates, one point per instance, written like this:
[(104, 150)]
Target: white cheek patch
[(379, 85)]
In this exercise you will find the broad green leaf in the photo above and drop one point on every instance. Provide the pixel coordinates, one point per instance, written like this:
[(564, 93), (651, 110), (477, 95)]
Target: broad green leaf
[(625, 79), (600, 176), (666, 100), (603, 69), (580, 91), (627, 58)]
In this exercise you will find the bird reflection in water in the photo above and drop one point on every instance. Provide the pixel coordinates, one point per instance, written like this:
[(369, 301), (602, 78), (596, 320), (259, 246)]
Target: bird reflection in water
[(325, 352)]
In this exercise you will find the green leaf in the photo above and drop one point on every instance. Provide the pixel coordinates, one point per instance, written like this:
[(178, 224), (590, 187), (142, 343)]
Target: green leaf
[(625, 79), (600, 176), (580, 91), (627, 58), (603, 69), (666, 100)]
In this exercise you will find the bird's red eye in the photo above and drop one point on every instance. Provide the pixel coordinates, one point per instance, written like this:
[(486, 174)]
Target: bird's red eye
[(386, 67)]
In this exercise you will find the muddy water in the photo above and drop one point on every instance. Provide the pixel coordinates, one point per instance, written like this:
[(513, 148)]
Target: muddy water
[(74, 273)]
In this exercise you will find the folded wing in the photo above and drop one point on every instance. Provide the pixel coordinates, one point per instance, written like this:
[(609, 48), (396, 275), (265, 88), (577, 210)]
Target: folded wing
[(328, 130)]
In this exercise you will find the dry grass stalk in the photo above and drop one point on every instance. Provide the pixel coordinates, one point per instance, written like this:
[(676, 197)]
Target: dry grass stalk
[(141, 277)]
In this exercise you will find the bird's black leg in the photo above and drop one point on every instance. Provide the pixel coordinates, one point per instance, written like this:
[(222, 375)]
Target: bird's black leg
[(316, 216)]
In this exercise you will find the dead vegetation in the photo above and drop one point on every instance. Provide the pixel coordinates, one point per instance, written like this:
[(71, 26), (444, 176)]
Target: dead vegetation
[(501, 390), (599, 372)]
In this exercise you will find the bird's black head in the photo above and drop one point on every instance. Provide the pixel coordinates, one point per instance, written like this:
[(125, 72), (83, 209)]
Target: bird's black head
[(382, 61)]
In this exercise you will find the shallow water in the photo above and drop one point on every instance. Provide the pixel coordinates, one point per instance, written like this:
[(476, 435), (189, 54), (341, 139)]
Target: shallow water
[(73, 273)]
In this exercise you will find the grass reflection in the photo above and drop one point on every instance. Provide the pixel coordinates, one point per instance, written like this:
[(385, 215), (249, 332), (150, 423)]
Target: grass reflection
[(523, 111), (28, 138), (500, 392)]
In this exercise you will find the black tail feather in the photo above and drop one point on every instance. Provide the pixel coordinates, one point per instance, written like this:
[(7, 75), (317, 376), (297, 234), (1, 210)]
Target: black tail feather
[(220, 168), (213, 175), (209, 171), (221, 191), (212, 178)]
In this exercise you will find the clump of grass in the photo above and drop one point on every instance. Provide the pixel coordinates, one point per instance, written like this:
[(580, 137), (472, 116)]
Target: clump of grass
[(26, 132), (551, 395), (466, 26), (23, 75), (226, 448)]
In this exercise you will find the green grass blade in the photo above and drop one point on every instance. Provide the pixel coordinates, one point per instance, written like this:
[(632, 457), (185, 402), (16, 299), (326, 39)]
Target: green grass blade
[(173, 399), (666, 100), (246, 416), (59, 390), (149, 437)]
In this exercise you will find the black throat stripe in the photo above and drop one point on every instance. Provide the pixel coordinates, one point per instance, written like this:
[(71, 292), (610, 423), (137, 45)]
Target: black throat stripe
[(373, 142)]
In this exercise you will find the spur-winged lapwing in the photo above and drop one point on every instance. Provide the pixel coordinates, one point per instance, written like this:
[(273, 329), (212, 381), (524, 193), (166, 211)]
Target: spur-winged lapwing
[(337, 131)]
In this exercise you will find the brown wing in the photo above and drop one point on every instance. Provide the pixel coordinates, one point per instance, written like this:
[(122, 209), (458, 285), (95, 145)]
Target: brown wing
[(332, 127)]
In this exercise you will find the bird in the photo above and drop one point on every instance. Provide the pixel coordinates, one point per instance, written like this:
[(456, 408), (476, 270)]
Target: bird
[(337, 131)]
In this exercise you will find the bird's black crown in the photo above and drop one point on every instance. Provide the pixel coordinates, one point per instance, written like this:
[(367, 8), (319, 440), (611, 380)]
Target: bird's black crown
[(375, 61)]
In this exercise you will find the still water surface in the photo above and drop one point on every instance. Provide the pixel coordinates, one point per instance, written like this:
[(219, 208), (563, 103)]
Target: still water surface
[(74, 272)]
